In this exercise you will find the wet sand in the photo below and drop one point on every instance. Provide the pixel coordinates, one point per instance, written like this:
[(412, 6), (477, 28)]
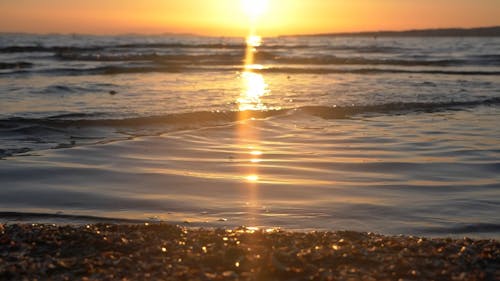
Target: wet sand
[(168, 252)]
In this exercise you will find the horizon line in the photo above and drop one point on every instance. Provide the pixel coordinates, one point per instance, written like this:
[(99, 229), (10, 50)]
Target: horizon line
[(334, 33)]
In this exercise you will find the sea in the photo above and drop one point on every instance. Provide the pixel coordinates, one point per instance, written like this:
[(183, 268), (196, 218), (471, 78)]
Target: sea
[(393, 135)]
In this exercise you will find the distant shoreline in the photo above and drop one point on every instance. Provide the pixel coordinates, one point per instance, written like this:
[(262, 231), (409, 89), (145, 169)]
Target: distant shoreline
[(493, 31)]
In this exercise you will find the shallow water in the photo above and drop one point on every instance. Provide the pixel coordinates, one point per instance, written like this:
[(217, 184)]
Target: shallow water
[(389, 135)]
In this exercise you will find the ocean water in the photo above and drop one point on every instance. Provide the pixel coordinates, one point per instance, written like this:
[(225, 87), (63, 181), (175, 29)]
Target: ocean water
[(389, 135)]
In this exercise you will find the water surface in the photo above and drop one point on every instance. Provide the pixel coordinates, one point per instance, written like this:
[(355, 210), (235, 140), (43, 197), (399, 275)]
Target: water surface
[(393, 135)]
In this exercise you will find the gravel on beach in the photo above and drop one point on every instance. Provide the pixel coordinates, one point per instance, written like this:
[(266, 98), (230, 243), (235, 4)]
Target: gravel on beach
[(168, 252)]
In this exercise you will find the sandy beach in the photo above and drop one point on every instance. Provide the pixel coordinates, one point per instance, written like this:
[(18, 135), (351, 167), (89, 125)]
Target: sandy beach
[(168, 252)]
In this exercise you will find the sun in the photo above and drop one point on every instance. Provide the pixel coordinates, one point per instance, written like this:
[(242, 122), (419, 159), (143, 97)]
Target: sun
[(254, 8)]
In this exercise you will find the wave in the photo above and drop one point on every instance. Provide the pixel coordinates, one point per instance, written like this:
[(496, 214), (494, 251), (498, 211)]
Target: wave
[(76, 116), (494, 57), (43, 49), (209, 59), (76, 49), (61, 218), (179, 119), (368, 49), (236, 67), (265, 57), (228, 53), (15, 65), (464, 229), (212, 117), (104, 70), (397, 107), (374, 71), (271, 57), (72, 129), (242, 46), (334, 60), (13, 151)]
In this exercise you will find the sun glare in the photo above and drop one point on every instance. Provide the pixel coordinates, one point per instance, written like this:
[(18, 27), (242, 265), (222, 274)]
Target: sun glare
[(254, 8), (252, 178), (254, 41), (255, 88)]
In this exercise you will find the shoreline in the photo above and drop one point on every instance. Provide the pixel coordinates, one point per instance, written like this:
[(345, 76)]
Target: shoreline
[(169, 252)]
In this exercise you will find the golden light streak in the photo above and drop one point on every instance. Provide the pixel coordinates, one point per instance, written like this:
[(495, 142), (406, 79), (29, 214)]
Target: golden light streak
[(254, 41), (252, 178), (254, 67), (256, 152), (254, 88)]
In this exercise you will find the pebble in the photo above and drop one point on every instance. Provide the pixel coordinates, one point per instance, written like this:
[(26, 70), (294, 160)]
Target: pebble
[(159, 251)]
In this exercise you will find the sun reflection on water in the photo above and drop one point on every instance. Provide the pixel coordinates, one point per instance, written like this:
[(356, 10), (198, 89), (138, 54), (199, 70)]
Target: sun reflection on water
[(252, 178), (254, 41), (256, 152), (255, 88), (250, 67)]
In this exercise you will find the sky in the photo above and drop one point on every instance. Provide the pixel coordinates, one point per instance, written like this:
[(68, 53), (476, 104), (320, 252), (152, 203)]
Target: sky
[(229, 17)]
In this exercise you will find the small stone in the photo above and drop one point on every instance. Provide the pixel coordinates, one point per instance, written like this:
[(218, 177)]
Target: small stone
[(229, 274)]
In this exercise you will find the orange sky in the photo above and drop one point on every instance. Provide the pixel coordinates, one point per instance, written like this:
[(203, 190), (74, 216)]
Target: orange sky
[(226, 17)]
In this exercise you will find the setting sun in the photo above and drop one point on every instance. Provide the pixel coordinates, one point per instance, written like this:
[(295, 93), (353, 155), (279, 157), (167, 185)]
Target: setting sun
[(254, 8)]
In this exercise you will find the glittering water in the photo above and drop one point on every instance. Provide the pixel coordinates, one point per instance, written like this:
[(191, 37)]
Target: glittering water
[(395, 135)]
